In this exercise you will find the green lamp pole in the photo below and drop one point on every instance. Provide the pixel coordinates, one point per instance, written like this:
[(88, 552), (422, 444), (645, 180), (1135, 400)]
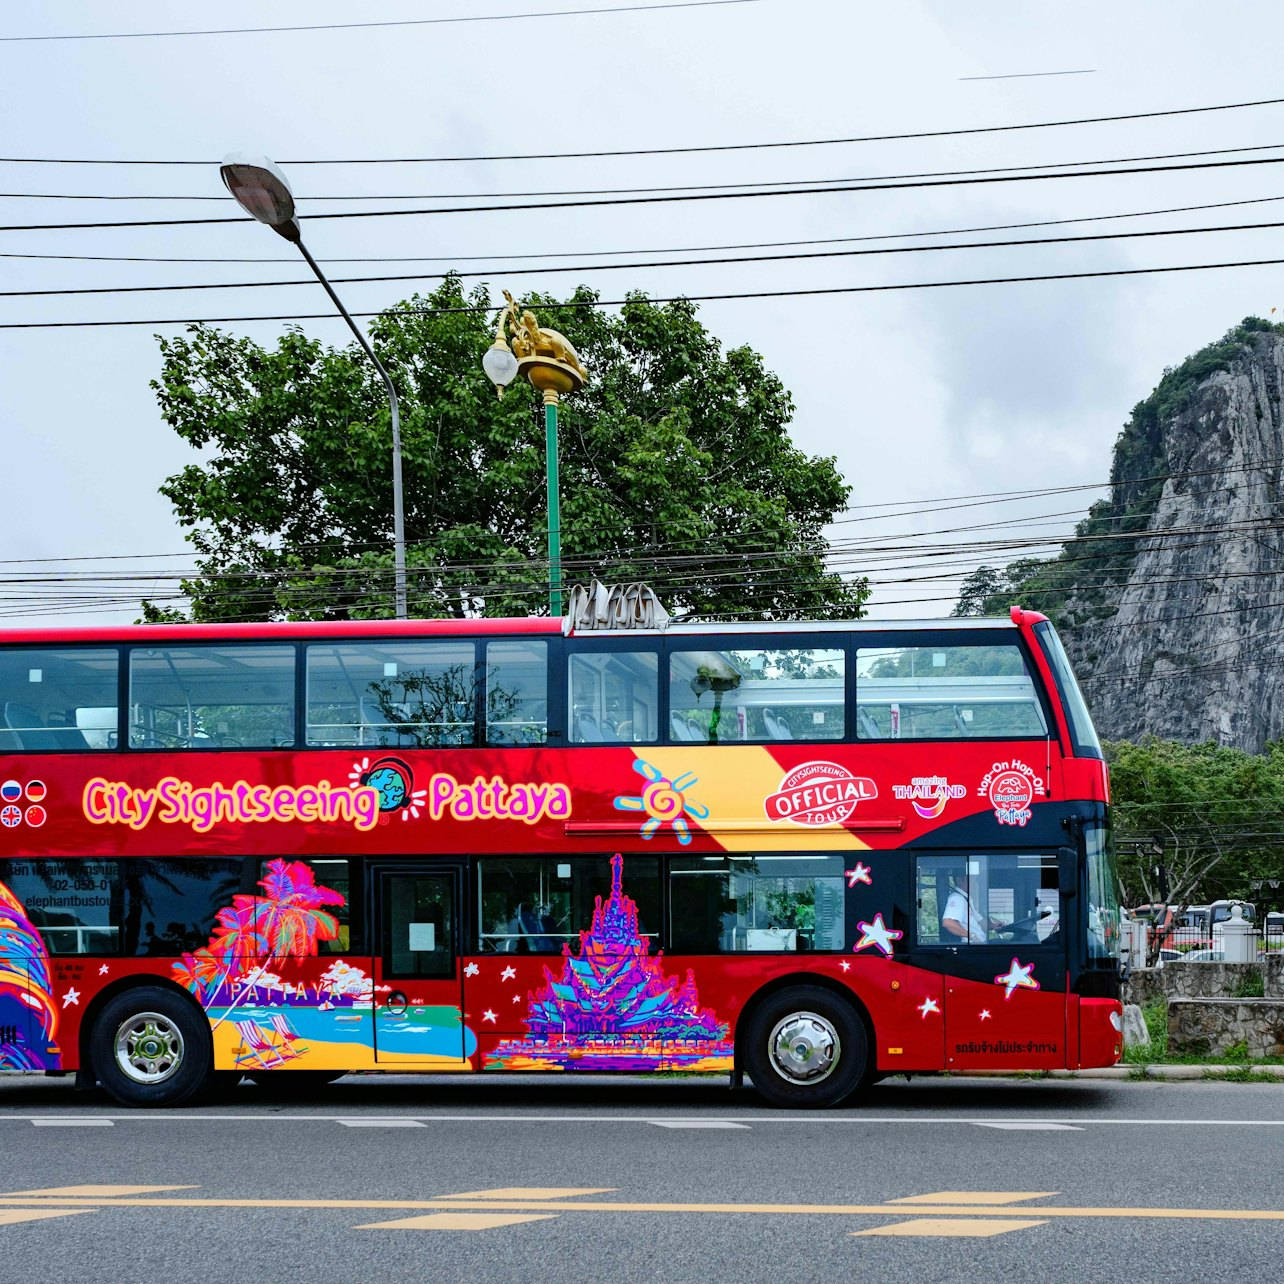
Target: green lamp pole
[(551, 365)]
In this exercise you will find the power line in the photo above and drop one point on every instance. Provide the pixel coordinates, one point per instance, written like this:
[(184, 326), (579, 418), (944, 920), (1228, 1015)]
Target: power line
[(393, 313), (664, 263), (406, 22), (837, 189), (681, 249), (680, 151), (223, 198)]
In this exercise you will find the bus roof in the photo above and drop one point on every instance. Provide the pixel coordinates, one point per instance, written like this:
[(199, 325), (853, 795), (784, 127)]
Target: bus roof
[(525, 625)]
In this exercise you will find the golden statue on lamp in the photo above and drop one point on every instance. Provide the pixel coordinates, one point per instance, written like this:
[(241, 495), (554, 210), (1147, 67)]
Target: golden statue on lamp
[(545, 358)]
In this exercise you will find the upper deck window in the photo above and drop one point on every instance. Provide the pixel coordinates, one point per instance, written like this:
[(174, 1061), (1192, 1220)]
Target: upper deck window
[(62, 698), (211, 697), (716, 696), (411, 694), (936, 689), (614, 696), (517, 692)]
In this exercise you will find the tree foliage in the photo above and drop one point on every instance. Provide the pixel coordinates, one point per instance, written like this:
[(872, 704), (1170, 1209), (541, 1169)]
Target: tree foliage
[(1213, 816), (676, 469)]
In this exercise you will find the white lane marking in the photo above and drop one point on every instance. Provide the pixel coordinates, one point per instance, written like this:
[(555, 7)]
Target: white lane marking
[(697, 1123), (792, 1118), (380, 1123), (51, 1121), (12, 1216), (1030, 1127), (459, 1221)]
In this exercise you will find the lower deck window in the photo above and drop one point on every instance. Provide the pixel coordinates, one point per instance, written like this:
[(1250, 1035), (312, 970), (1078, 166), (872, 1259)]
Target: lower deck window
[(990, 899), (74, 905), (538, 904), (734, 904)]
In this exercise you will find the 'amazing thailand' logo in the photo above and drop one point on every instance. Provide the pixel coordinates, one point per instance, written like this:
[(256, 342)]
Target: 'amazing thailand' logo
[(928, 794), (819, 793)]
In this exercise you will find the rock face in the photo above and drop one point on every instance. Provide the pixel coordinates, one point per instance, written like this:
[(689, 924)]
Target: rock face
[(1178, 631)]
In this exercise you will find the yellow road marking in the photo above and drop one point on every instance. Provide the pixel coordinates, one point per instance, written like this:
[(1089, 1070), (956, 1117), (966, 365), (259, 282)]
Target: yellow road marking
[(458, 1221), (531, 1192), (600, 1206), (946, 1226), (10, 1216), (98, 1190), (988, 1197)]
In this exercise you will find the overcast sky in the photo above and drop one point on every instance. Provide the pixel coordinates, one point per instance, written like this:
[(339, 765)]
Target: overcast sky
[(920, 394)]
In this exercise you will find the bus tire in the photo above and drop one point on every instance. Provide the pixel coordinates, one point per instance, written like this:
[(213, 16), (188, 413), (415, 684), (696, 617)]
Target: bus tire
[(152, 1047), (806, 1047)]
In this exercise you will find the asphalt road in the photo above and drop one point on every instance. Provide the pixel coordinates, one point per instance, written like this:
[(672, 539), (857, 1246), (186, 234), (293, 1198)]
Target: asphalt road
[(622, 1180)]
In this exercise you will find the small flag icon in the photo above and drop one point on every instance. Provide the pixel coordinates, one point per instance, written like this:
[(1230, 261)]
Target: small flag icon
[(10, 791), (35, 817), (10, 817), (35, 791)]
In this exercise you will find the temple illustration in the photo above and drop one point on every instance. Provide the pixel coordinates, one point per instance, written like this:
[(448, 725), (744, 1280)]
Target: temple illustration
[(613, 1008)]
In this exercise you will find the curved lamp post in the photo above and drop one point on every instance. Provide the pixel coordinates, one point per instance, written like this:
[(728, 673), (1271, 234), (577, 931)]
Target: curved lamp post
[(551, 365), (261, 190)]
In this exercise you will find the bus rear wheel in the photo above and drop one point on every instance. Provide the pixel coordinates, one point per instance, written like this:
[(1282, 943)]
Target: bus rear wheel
[(806, 1047), (151, 1047)]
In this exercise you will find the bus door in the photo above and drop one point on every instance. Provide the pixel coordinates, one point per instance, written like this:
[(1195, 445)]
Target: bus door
[(991, 923), (418, 982)]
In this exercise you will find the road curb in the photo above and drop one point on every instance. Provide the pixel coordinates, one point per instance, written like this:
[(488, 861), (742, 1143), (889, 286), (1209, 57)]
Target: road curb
[(1157, 1071)]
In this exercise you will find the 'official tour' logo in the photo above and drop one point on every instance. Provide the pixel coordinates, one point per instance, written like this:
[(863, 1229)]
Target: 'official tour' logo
[(819, 793)]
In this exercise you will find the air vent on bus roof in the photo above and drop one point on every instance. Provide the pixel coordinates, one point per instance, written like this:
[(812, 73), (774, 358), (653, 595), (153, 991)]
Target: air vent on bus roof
[(614, 606)]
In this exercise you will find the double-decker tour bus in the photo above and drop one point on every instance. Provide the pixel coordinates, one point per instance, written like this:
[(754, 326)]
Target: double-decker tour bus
[(816, 853)]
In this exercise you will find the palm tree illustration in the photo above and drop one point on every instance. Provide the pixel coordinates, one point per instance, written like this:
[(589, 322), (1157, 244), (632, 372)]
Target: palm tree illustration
[(286, 922)]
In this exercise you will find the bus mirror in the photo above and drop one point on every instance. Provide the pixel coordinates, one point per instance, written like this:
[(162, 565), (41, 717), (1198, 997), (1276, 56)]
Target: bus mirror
[(1067, 874)]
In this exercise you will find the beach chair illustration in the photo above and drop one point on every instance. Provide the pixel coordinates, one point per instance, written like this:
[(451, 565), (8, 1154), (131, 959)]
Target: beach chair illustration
[(258, 1046), (291, 1039)]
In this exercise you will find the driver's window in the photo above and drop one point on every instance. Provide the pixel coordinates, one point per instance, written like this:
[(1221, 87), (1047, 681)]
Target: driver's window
[(987, 899)]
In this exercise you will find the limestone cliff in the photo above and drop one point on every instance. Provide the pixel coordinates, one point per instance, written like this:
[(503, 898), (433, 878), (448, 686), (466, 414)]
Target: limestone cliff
[(1169, 599)]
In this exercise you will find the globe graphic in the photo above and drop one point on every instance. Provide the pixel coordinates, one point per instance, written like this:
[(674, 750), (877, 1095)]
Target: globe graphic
[(391, 785)]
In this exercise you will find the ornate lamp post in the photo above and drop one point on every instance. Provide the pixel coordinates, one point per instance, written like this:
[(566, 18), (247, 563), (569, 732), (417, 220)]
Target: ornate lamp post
[(551, 365), (261, 189)]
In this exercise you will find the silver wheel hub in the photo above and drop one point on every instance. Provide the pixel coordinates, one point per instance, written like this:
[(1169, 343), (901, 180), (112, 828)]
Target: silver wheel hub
[(149, 1047), (804, 1048)]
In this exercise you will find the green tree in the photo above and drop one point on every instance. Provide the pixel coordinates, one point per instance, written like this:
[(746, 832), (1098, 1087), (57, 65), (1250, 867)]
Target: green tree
[(1211, 814), (676, 469)]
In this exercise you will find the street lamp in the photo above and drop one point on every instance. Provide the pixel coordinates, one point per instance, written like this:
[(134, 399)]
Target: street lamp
[(262, 190), (551, 365)]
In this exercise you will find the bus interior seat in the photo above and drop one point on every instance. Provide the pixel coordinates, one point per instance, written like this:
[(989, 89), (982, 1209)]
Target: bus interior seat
[(959, 725), (777, 729), (31, 733), (868, 727), (587, 730), (678, 724)]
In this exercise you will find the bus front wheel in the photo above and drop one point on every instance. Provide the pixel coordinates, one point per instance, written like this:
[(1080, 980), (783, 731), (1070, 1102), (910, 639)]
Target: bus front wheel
[(806, 1046), (151, 1048)]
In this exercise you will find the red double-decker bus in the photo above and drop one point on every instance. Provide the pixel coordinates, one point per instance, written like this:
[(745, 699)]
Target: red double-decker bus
[(815, 853)]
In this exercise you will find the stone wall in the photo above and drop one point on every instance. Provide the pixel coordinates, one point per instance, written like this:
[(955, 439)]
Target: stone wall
[(1204, 980), (1211, 1027)]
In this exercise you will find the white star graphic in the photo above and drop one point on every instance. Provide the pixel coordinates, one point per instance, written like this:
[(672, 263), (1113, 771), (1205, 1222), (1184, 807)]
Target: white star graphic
[(876, 933), (517, 998), (72, 996), (847, 967), (1017, 977), (102, 971), (471, 970), (488, 1015), (508, 973), (858, 875), (985, 1014), (928, 1005)]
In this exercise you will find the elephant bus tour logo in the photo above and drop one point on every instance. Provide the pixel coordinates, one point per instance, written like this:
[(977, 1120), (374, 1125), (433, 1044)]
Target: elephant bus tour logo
[(928, 794), (1011, 787), (819, 793)]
